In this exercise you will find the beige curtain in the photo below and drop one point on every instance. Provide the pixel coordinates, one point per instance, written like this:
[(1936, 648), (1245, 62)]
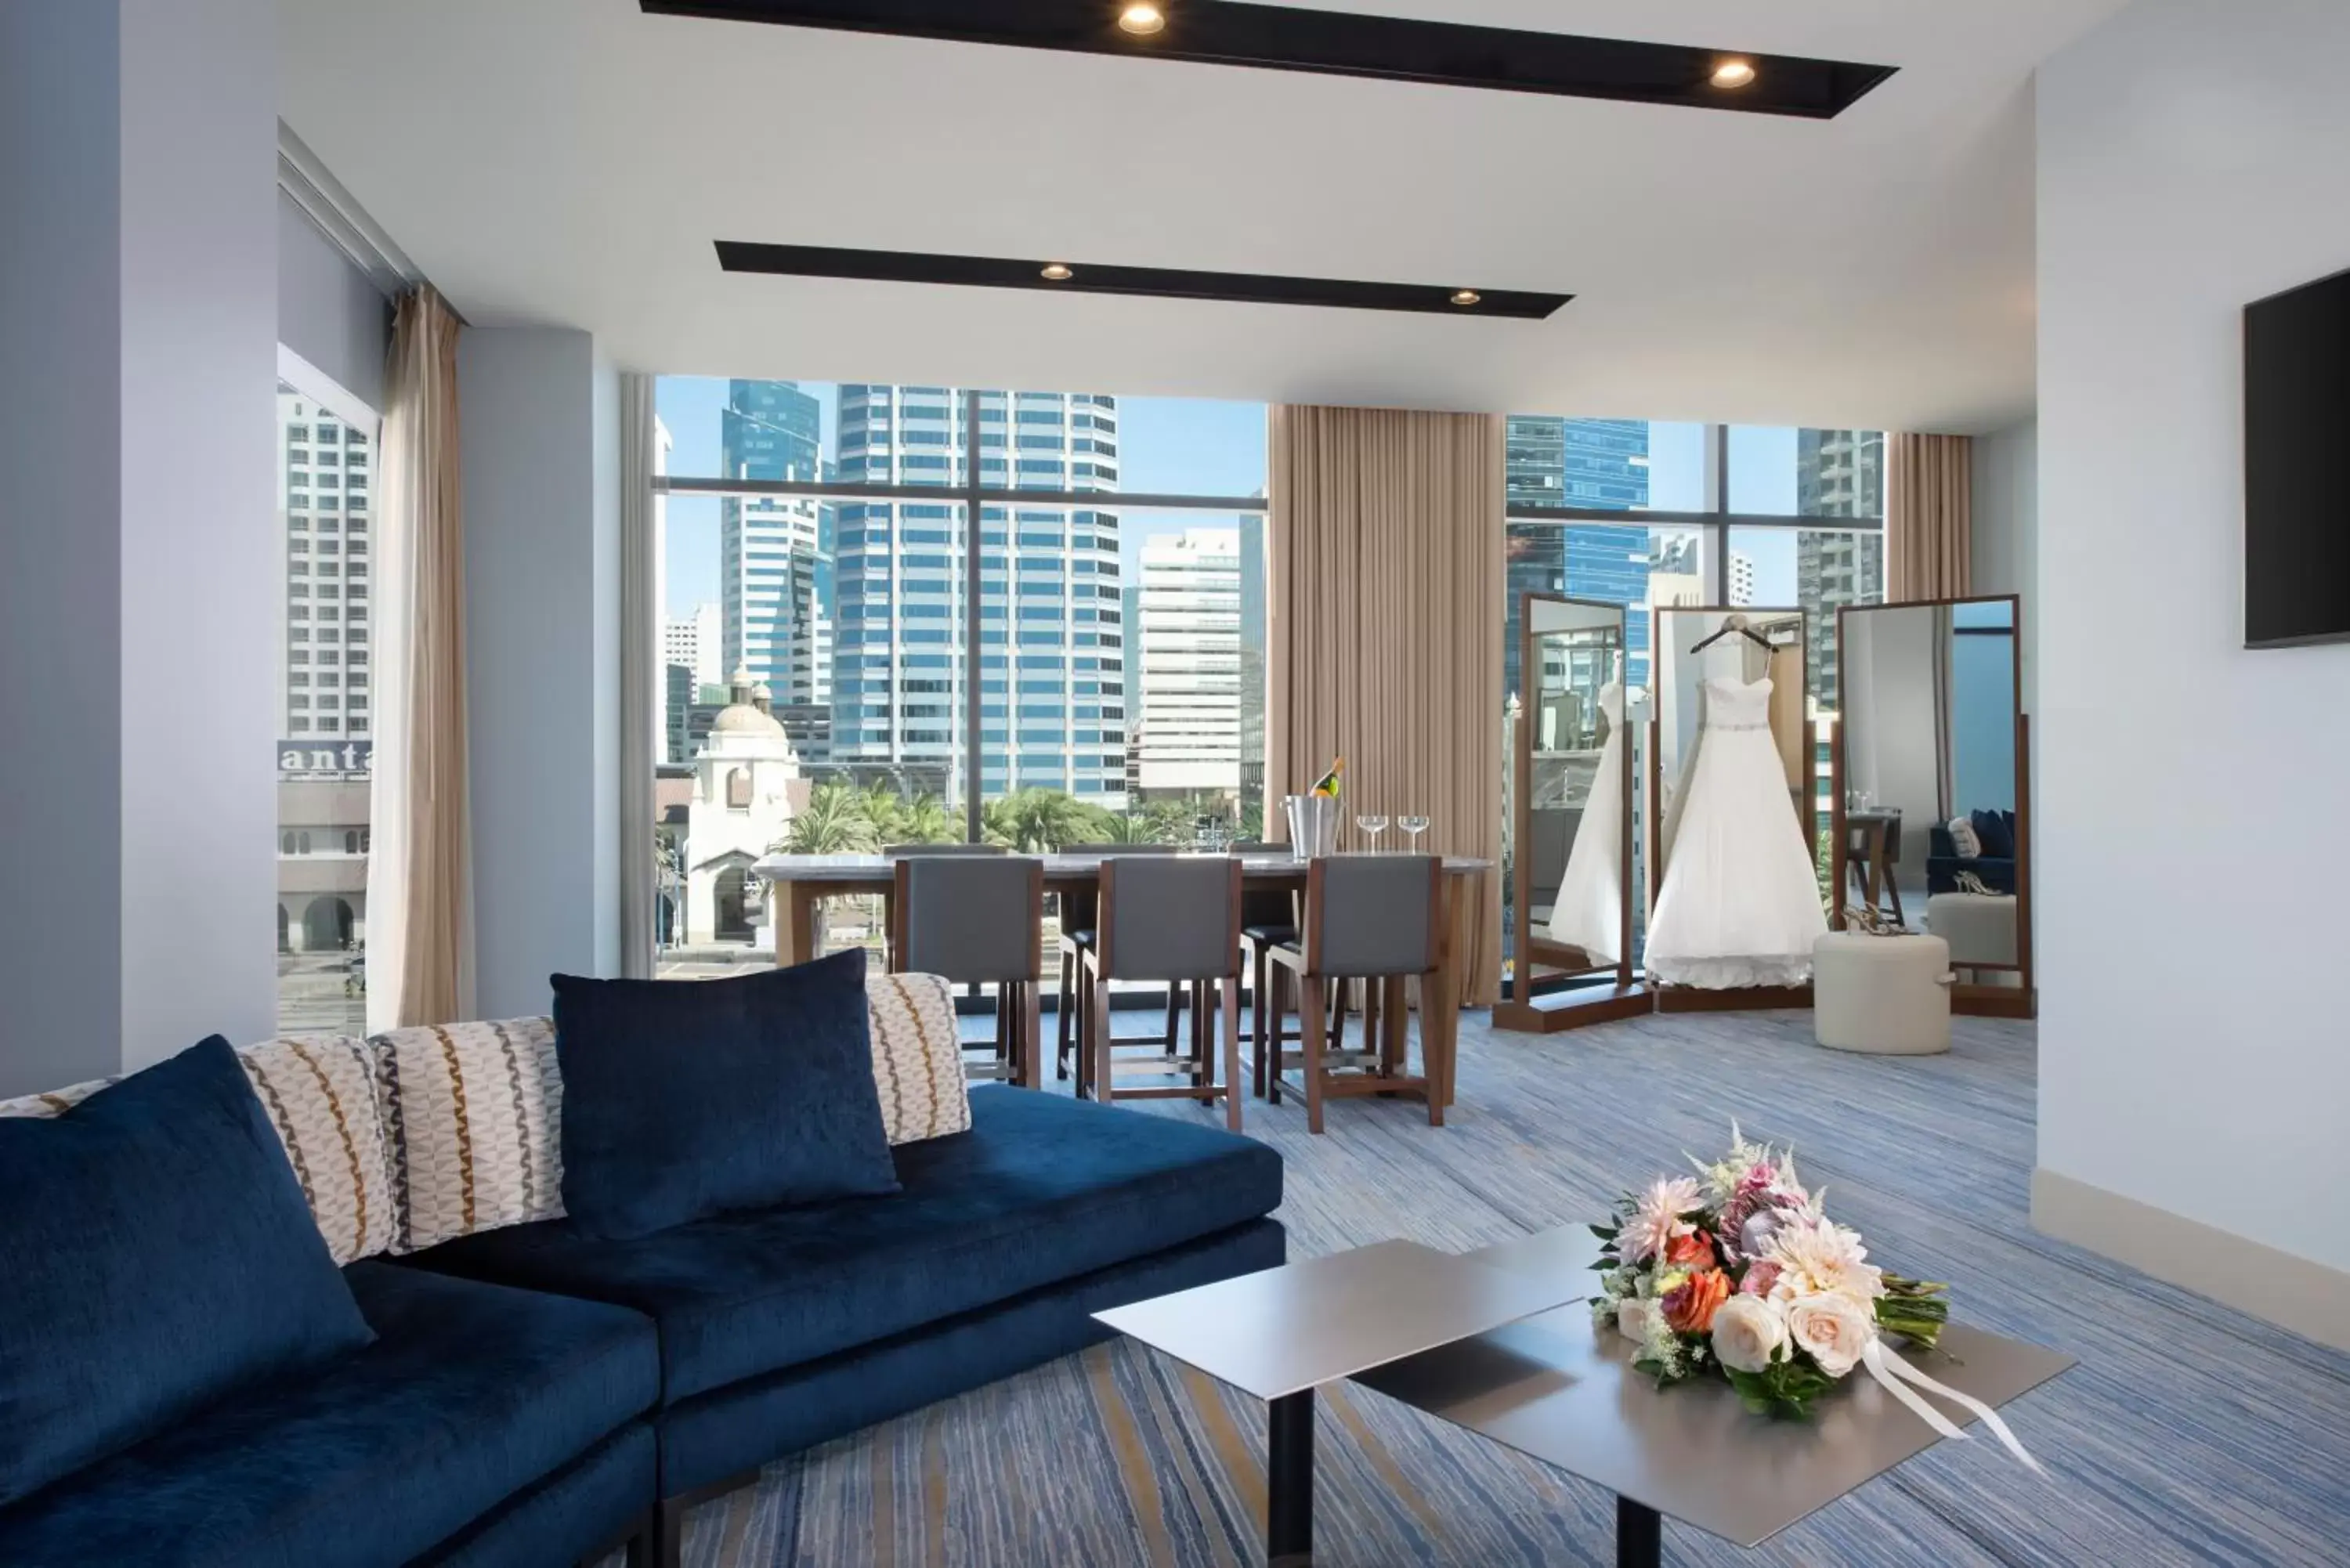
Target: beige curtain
[(419, 868), (1928, 517), (1383, 618)]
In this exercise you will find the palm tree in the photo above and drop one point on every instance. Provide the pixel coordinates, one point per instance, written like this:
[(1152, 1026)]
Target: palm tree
[(1034, 821), (1123, 830), (832, 823), (927, 820), (885, 812)]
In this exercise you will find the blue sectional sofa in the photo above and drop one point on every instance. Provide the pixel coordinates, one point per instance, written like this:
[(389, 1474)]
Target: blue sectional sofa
[(782, 1329), (534, 1398)]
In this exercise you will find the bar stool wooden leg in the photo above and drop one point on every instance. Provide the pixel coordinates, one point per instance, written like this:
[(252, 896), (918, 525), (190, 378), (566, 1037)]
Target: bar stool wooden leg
[(1032, 1050), (1064, 1009), (1097, 1050), (1279, 976), (1229, 990), (1314, 1018)]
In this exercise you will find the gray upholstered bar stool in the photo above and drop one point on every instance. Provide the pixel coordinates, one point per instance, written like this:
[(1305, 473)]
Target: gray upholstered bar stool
[(1078, 919), (973, 919), (1176, 919), (1378, 919)]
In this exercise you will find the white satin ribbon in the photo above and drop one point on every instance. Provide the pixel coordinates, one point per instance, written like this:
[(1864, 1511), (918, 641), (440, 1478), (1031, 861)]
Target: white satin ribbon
[(1891, 1371)]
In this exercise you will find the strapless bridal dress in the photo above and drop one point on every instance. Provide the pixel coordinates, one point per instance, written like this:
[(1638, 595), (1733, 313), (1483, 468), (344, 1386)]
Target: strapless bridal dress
[(1741, 900), (1589, 910)]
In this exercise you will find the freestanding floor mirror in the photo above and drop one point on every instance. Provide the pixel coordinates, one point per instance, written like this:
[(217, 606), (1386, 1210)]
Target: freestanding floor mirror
[(1571, 822), (1933, 806)]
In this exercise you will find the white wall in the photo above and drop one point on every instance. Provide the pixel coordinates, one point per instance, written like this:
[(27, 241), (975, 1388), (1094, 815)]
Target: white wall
[(140, 568), (2006, 482), (327, 310), (542, 618), (2195, 1057)]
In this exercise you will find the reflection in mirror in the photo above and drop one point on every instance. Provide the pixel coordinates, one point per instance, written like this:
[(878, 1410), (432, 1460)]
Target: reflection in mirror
[(1575, 807), (1930, 773)]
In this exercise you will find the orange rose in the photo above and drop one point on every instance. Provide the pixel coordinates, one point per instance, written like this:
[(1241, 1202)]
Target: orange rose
[(1697, 1247), (1691, 1305)]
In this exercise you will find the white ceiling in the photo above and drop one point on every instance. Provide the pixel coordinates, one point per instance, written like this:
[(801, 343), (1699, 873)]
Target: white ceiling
[(569, 161)]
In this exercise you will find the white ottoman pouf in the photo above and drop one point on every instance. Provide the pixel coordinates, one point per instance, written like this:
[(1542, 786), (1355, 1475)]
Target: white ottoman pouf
[(1888, 996), (1979, 926)]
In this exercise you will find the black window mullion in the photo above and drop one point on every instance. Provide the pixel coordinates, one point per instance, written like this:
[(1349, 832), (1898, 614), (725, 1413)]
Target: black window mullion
[(971, 504)]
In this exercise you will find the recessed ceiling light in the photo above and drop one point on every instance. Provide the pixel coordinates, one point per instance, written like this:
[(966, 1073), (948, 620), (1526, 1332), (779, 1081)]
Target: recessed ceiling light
[(1734, 74), (1142, 19), (1057, 273), (1466, 296)]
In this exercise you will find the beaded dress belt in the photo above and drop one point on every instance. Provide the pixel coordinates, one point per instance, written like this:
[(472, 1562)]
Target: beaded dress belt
[(1765, 726)]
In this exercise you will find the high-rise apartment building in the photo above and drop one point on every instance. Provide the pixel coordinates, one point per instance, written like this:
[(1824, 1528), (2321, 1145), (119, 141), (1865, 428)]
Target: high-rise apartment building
[(1742, 577), (323, 489), (1189, 643), (775, 568), (698, 643), (1252, 657), (1599, 464), (1838, 473), (1052, 674)]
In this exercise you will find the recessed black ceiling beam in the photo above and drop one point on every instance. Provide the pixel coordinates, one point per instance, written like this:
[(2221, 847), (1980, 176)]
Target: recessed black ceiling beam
[(1336, 42), (1152, 282)]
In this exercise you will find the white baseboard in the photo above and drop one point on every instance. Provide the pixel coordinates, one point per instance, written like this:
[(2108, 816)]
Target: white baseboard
[(2292, 1292)]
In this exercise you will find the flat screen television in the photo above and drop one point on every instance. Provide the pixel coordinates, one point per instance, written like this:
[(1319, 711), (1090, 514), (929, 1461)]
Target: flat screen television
[(2297, 466)]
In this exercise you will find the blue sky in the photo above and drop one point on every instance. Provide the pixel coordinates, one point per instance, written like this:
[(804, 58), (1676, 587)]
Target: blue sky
[(1189, 446)]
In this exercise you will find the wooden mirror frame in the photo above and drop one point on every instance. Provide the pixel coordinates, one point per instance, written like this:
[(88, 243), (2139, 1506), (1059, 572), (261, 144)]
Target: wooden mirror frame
[(1689, 998), (1520, 1009), (2021, 1000)]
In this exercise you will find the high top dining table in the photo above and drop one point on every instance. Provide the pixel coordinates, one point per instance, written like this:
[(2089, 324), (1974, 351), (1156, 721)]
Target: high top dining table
[(800, 881)]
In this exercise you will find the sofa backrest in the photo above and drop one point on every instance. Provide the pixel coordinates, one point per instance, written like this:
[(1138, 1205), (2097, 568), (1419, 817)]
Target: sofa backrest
[(417, 1137), (319, 1093)]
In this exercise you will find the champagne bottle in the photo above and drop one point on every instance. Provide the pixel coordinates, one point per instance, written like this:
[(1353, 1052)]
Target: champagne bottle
[(1327, 784)]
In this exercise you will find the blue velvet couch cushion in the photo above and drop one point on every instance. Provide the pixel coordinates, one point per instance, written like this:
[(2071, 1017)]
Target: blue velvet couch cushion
[(470, 1394), (1040, 1190), (155, 1254), (683, 1099), (1996, 829)]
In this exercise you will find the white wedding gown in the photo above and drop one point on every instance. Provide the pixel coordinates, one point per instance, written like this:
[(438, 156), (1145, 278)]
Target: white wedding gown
[(1589, 910), (1740, 901)]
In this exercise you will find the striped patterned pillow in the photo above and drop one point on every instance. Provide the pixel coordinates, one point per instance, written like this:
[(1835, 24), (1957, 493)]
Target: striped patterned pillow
[(472, 1118), (319, 1093), (917, 1061)]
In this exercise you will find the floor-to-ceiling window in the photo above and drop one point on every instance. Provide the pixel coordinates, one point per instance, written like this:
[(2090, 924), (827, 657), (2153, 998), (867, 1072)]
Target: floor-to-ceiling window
[(1646, 514), (845, 667), (326, 721)]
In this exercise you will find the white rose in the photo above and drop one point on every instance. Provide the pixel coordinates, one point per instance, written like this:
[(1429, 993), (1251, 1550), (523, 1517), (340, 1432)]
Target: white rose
[(1833, 1328), (1632, 1318), (1748, 1331)]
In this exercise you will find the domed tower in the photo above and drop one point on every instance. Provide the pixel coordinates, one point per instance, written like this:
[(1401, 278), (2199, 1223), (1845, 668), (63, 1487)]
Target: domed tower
[(746, 784)]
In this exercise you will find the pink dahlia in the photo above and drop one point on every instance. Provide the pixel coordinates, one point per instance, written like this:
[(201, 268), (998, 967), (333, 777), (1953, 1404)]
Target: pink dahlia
[(1656, 1219)]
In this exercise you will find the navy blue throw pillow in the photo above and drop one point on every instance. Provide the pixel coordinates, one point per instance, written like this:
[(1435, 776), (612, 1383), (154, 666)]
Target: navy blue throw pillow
[(1998, 839), (155, 1254), (683, 1098)]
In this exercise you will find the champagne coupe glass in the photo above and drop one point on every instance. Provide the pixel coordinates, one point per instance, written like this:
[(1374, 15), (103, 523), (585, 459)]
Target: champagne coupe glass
[(1374, 825), (1414, 826)]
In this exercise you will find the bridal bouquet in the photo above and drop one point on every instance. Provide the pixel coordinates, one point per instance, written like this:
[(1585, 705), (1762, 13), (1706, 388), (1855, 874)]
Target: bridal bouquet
[(1740, 1275)]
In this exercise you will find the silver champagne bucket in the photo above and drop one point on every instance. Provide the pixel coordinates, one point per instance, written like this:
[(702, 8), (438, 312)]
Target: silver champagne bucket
[(1313, 825)]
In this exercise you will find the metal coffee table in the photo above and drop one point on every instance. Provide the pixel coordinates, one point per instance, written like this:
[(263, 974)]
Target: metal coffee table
[(1542, 1381), (1282, 1333)]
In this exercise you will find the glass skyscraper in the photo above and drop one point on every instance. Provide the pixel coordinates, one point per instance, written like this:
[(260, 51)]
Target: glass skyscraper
[(1599, 464), (1838, 473), (1052, 675), (776, 566)]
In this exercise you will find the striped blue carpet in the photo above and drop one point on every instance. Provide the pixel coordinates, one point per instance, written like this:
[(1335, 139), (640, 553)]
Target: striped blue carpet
[(2189, 1434)]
